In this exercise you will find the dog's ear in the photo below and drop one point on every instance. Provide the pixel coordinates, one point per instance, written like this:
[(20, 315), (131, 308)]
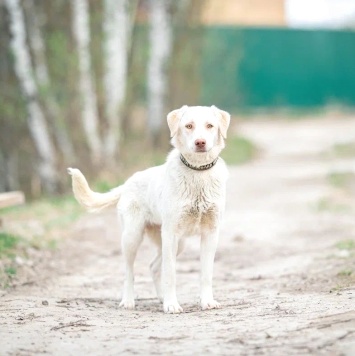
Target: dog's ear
[(224, 120), (174, 119)]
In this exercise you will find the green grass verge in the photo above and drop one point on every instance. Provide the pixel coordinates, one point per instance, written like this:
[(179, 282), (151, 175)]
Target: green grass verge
[(239, 150), (346, 245), (344, 150), (345, 273), (39, 225), (9, 249), (8, 244), (344, 180), (327, 204)]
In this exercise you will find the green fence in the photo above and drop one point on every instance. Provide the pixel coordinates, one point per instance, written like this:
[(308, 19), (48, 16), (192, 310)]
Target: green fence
[(266, 67)]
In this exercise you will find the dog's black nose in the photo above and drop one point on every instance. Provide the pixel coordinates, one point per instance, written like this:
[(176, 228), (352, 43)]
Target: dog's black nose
[(200, 143)]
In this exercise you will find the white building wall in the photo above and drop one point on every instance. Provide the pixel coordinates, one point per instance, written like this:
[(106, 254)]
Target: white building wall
[(332, 14)]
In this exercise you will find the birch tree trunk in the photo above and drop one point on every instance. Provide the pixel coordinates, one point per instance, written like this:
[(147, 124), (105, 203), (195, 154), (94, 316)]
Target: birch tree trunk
[(160, 40), (36, 120), (42, 77), (117, 27), (81, 32)]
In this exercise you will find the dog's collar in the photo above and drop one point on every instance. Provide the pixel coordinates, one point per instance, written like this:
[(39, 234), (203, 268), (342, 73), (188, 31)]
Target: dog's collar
[(200, 168)]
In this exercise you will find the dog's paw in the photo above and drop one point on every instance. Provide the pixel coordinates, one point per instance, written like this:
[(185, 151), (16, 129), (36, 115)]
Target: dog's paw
[(210, 304), (127, 304), (172, 308)]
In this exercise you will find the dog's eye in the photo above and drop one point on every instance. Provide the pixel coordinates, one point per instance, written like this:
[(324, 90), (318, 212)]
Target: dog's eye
[(189, 126), (209, 126)]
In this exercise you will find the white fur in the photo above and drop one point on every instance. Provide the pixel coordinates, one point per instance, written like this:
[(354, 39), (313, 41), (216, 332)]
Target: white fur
[(171, 202)]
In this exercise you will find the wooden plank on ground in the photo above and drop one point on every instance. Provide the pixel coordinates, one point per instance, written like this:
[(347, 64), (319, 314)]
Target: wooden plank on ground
[(11, 198)]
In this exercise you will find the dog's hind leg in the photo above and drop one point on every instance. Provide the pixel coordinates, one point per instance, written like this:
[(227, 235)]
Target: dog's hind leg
[(155, 268), (154, 233), (132, 237)]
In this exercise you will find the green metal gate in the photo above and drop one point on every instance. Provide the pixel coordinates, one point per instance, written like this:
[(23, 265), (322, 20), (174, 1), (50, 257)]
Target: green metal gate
[(266, 67)]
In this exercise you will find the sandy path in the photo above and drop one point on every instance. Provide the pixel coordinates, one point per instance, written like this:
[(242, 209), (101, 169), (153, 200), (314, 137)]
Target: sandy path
[(275, 272)]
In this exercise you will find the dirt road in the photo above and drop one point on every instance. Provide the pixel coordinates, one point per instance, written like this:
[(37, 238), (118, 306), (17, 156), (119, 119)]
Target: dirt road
[(284, 271)]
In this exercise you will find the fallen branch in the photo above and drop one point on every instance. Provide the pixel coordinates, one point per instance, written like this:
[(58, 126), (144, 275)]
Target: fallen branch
[(73, 323)]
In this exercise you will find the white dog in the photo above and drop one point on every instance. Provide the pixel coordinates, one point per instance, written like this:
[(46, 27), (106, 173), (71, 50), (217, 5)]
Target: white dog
[(183, 197)]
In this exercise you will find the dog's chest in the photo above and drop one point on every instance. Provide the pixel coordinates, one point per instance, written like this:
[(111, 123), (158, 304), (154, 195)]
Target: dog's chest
[(201, 205), (200, 193)]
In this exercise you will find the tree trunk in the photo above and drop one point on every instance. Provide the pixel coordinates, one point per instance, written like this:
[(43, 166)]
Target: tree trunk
[(160, 39), (81, 31), (9, 178), (36, 120), (117, 27), (42, 77)]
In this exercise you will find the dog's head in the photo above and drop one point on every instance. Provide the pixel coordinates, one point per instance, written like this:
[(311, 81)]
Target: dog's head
[(198, 129)]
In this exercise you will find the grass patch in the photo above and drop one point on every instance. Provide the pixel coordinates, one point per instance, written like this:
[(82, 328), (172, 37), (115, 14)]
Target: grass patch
[(136, 157), (345, 273), (39, 225), (345, 150), (238, 150), (326, 204), (346, 245), (8, 273), (49, 212), (346, 278), (103, 186), (343, 180), (11, 271), (8, 243), (336, 289), (138, 160)]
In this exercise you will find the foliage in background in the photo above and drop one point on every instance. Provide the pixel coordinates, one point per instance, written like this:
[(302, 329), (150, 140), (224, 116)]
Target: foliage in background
[(239, 150), (18, 164)]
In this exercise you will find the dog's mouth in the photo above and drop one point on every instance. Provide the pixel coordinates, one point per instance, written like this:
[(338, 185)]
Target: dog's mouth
[(200, 149)]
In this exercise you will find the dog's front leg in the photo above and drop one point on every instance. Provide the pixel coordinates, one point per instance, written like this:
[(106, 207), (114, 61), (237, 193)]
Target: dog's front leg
[(209, 240), (169, 251)]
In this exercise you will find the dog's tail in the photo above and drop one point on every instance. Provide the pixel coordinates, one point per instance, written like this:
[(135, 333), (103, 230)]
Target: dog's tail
[(92, 201)]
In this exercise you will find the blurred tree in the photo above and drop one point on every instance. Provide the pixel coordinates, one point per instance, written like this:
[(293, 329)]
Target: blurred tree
[(117, 27), (36, 17), (9, 179), (186, 59), (103, 51), (160, 40), (36, 120), (81, 33)]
